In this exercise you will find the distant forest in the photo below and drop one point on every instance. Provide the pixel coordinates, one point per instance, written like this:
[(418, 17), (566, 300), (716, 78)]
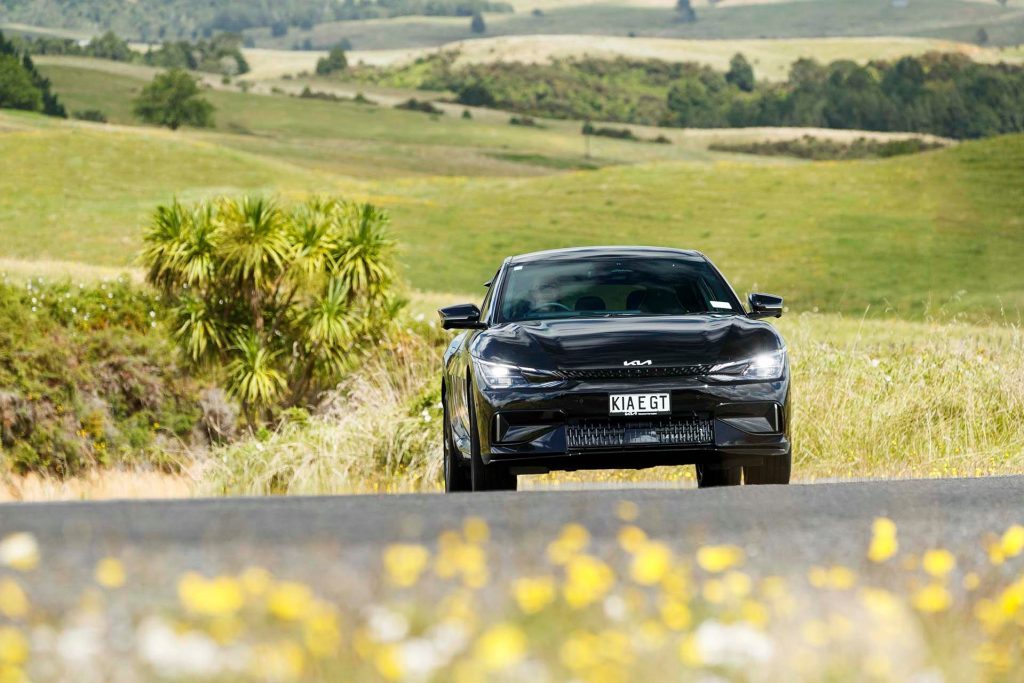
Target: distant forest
[(941, 94), (220, 54), (158, 20)]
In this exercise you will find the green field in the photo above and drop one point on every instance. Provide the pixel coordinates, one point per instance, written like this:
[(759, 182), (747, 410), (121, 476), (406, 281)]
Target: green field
[(949, 19), (933, 234)]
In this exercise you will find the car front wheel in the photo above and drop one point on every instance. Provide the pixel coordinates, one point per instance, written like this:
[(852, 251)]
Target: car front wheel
[(456, 474)]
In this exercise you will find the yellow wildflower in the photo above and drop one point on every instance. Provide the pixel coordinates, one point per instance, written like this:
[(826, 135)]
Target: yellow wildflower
[(110, 573), (500, 647), (939, 562), (322, 633), (631, 538), (289, 600), (971, 581), (718, 558), (754, 613), (627, 511), (737, 584), (13, 601), (19, 551), (1012, 542), (675, 614), (573, 539), (883, 540), (651, 563), (404, 563), (881, 603), (932, 598), (689, 651), (388, 663), (534, 594), (13, 646), (210, 597), (587, 580), (476, 530)]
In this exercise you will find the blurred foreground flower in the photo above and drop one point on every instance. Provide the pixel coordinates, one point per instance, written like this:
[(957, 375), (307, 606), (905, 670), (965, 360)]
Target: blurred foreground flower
[(500, 647), (19, 551), (210, 597), (718, 558), (883, 540), (110, 573), (405, 563)]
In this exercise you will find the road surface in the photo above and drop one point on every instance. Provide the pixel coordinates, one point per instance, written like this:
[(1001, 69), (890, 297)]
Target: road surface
[(335, 543)]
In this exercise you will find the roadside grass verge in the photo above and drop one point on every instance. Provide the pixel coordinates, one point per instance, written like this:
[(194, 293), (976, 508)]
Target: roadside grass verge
[(872, 399)]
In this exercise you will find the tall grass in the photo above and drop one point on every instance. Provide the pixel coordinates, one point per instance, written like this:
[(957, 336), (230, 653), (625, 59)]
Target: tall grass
[(871, 399), (378, 432)]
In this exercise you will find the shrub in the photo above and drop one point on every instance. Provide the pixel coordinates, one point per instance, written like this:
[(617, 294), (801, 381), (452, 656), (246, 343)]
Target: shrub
[(278, 298), (88, 378), (172, 99), (94, 115), (334, 61), (424, 106)]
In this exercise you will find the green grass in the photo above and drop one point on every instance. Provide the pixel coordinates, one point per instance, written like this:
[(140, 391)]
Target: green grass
[(942, 230), (953, 19), (82, 194), (359, 140)]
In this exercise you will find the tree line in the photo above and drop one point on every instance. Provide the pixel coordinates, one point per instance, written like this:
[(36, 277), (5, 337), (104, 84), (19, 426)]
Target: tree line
[(159, 20), (220, 54), (22, 86), (941, 94)]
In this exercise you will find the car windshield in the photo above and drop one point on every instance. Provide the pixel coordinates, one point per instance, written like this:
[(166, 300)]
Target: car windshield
[(615, 286)]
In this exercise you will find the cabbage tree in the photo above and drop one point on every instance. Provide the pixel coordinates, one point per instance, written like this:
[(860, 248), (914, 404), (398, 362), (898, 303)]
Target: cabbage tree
[(279, 298)]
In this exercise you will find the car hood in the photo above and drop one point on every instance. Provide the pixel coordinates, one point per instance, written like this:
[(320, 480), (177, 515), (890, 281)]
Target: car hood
[(614, 341)]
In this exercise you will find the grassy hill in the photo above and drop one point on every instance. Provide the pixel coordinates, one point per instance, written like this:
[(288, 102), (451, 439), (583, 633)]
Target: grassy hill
[(772, 59), (943, 230), (947, 19), (81, 193), (939, 230)]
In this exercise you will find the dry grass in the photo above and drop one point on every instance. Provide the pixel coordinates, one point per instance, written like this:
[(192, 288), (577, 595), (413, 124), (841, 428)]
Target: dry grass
[(98, 485), (872, 399), (771, 58)]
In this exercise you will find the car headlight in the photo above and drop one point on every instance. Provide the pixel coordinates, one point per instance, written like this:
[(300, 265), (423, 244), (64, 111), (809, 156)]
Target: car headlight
[(504, 376), (765, 366)]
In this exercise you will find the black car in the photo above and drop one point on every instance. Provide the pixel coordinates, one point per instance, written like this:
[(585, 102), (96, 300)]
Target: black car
[(614, 357)]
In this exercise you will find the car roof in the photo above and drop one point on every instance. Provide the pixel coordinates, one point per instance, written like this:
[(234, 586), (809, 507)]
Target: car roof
[(584, 252)]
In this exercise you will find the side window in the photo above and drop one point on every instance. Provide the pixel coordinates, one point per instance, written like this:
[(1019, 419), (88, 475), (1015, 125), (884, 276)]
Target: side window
[(485, 307)]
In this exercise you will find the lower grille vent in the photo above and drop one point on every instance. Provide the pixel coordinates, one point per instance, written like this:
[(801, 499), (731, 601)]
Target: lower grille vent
[(622, 434)]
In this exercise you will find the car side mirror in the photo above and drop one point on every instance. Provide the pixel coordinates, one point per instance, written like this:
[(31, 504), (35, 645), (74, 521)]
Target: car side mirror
[(461, 317), (765, 306)]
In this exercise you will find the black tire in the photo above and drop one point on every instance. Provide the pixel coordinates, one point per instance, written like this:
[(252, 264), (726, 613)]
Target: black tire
[(713, 477), (493, 477), (775, 470), (456, 473)]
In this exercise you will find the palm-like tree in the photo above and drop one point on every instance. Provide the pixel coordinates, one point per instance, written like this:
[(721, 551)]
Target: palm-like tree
[(277, 297)]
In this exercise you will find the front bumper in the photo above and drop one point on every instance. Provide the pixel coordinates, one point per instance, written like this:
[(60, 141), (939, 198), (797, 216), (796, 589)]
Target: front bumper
[(569, 428)]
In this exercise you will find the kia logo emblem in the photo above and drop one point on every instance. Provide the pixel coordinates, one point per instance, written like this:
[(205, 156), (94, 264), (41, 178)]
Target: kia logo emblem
[(634, 363)]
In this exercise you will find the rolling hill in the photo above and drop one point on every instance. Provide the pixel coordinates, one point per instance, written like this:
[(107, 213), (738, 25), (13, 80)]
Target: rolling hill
[(899, 235)]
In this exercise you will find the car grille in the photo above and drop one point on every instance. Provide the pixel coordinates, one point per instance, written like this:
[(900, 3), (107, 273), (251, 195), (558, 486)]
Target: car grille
[(691, 431), (631, 372)]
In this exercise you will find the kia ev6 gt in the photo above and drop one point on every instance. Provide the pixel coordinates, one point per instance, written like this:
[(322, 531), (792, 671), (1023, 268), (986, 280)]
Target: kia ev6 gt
[(614, 357)]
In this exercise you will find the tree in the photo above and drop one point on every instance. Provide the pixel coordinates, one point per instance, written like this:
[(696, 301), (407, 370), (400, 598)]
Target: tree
[(476, 94), (333, 62), (279, 29), (278, 298), (17, 91), (686, 13), (741, 73), (477, 25), (172, 99), (981, 37)]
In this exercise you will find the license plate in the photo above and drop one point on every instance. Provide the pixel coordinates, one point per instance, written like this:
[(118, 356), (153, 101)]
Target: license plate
[(639, 404)]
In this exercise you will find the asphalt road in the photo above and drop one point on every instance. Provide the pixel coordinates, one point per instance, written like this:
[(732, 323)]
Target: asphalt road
[(335, 542)]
